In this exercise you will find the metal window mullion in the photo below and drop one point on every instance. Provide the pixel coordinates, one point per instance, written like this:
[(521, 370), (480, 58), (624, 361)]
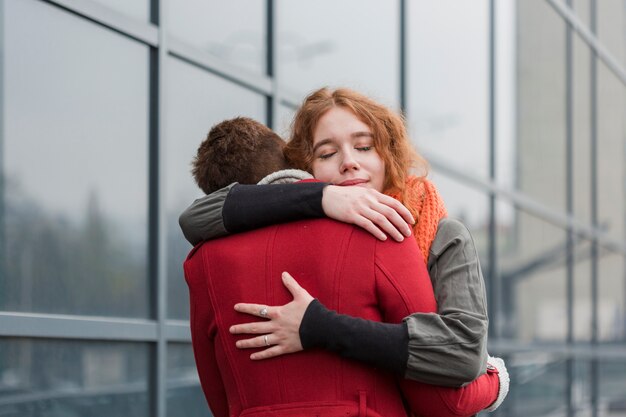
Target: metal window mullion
[(494, 288), (202, 59), (594, 209), (403, 17), (111, 19), (58, 326), (569, 209), (273, 99), (156, 217), (579, 351), (3, 196), (528, 204), (590, 38)]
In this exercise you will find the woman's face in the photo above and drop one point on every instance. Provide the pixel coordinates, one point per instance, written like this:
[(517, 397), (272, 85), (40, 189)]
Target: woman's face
[(344, 153)]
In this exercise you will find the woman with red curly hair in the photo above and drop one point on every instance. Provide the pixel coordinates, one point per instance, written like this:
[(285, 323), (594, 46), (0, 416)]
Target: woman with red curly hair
[(362, 148)]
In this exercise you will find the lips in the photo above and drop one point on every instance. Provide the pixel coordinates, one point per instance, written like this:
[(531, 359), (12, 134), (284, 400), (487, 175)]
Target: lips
[(356, 181)]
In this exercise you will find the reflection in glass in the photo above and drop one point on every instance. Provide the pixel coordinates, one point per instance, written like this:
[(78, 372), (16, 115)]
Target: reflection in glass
[(538, 385), (611, 107), (532, 255), (285, 117), (60, 378), (541, 91), (139, 9), (612, 389), (611, 297), (193, 107), (356, 46), (184, 394), (448, 81), (75, 158), (611, 24), (233, 31)]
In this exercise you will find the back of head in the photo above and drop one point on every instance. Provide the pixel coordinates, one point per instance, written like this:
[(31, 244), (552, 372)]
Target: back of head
[(237, 150)]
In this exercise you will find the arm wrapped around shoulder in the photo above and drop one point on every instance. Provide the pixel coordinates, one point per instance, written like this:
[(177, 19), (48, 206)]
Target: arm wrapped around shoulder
[(450, 348)]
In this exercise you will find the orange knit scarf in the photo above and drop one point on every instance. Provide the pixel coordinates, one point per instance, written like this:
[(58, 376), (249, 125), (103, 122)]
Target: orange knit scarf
[(426, 205)]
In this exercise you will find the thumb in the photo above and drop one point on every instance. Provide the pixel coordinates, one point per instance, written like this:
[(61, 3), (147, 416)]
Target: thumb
[(292, 285)]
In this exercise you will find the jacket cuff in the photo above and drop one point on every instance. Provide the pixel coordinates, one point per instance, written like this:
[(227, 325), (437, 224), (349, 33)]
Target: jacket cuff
[(383, 345)]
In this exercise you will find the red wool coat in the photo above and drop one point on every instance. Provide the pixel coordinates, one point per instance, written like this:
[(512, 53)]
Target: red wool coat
[(348, 270)]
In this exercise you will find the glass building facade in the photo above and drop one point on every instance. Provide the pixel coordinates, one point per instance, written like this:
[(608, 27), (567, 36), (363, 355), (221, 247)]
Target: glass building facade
[(519, 106)]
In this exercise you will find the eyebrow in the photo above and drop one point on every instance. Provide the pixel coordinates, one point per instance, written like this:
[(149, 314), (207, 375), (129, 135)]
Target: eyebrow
[(353, 135)]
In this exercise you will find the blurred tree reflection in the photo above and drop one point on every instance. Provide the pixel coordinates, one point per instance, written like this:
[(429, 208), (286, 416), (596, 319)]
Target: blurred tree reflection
[(56, 264)]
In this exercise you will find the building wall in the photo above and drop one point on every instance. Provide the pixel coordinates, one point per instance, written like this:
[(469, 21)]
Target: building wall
[(104, 102)]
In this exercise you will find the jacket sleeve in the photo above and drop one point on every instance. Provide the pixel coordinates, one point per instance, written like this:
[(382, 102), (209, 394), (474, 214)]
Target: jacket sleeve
[(203, 219), (203, 331), (239, 208), (457, 335)]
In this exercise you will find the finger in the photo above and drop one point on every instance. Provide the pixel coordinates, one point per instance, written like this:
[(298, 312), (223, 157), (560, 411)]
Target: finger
[(252, 328), (370, 227), (398, 207), (394, 218), (254, 309), (383, 223), (253, 342), (292, 285), (268, 353)]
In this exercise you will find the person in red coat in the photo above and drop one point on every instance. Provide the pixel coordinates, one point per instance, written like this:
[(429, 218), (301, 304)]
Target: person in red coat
[(347, 270)]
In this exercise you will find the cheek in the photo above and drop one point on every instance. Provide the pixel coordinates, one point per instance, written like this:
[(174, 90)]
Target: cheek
[(321, 171)]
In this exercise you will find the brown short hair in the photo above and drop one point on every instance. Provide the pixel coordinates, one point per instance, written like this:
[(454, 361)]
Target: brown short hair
[(390, 135), (237, 150)]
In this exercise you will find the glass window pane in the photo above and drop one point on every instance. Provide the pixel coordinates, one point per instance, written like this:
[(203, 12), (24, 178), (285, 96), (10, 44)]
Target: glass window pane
[(351, 43), (505, 37), (532, 277), (285, 117), (139, 9), (467, 204), (184, 394), (75, 160), (611, 297), (448, 86), (538, 385), (611, 24), (540, 88), (611, 108), (62, 378), (234, 31), (611, 388), (192, 109)]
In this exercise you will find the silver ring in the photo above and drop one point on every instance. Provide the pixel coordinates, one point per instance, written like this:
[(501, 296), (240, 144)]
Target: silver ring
[(267, 343), (263, 312)]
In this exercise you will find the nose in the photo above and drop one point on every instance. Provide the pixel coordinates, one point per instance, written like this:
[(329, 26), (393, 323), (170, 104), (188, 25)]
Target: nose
[(349, 162)]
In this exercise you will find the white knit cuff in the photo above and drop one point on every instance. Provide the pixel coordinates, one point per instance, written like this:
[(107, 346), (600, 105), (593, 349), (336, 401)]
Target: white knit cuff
[(503, 375), (285, 176)]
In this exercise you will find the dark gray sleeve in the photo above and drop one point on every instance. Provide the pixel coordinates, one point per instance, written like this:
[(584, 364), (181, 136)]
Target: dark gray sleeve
[(450, 348), (242, 207), (203, 219)]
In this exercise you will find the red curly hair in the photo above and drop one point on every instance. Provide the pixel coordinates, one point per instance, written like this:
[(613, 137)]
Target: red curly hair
[(391, 139)]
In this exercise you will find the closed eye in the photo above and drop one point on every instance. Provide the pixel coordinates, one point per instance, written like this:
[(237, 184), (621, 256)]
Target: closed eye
[(326, 155), (364, 148)]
